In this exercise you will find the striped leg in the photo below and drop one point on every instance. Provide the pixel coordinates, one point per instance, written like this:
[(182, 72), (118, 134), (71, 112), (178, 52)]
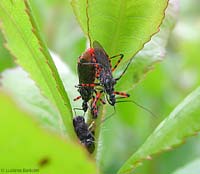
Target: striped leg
[(77, 98), (94, 107), (122, 94), (118, 62)]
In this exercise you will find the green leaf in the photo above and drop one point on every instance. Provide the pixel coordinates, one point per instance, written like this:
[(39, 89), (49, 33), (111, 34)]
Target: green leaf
[(152, 53), (5, 58), (191, 168), (35, 149), (120, 26), (60, 25), (183, 122), (18, 83), (24, 42)]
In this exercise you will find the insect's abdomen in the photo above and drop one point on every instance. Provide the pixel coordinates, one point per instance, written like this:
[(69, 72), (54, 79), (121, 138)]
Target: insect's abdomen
[(86, 72)]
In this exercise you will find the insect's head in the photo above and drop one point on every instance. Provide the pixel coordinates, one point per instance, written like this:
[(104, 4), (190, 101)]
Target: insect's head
[(112, 99), (78, 120), (109, 88)]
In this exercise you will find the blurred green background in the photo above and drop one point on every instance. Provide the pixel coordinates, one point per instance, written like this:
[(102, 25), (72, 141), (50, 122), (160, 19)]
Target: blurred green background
[(161, 90)]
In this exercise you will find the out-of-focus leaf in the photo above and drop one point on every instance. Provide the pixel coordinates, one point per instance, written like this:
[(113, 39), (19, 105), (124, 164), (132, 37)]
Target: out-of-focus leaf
[(25, 43), (25, 146), (33, 101), (191, 168), (62, 33), (29, 97), (181, 123), (120, 26)]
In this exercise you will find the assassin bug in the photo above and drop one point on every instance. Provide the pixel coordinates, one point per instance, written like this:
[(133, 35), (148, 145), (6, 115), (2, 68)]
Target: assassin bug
[(85, 135), (104, 72), (86, 74)]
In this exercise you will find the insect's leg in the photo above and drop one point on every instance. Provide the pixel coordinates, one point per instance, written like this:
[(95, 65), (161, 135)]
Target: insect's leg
[(122, 94), (124, 70), (77, 98), (88, 85), (102, 101), (95, 99), (118, 55), (91, 126), (94, 108), (118, 62)]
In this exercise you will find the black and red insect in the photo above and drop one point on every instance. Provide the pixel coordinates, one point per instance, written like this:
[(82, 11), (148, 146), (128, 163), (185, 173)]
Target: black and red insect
[(104, 71), (84, 133), (86, 74)]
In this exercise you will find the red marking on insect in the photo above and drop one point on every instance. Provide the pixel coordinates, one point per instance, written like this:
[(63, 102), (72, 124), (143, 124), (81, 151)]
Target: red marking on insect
[(91, 51), (94, 107)]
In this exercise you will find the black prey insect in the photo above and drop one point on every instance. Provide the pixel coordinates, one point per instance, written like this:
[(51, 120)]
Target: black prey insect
[(85, 135)]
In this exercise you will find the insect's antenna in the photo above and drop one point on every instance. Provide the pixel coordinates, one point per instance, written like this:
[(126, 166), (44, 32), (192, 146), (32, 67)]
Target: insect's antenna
[(137, 104), (88, 23), (105, 119), (125, 69)]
